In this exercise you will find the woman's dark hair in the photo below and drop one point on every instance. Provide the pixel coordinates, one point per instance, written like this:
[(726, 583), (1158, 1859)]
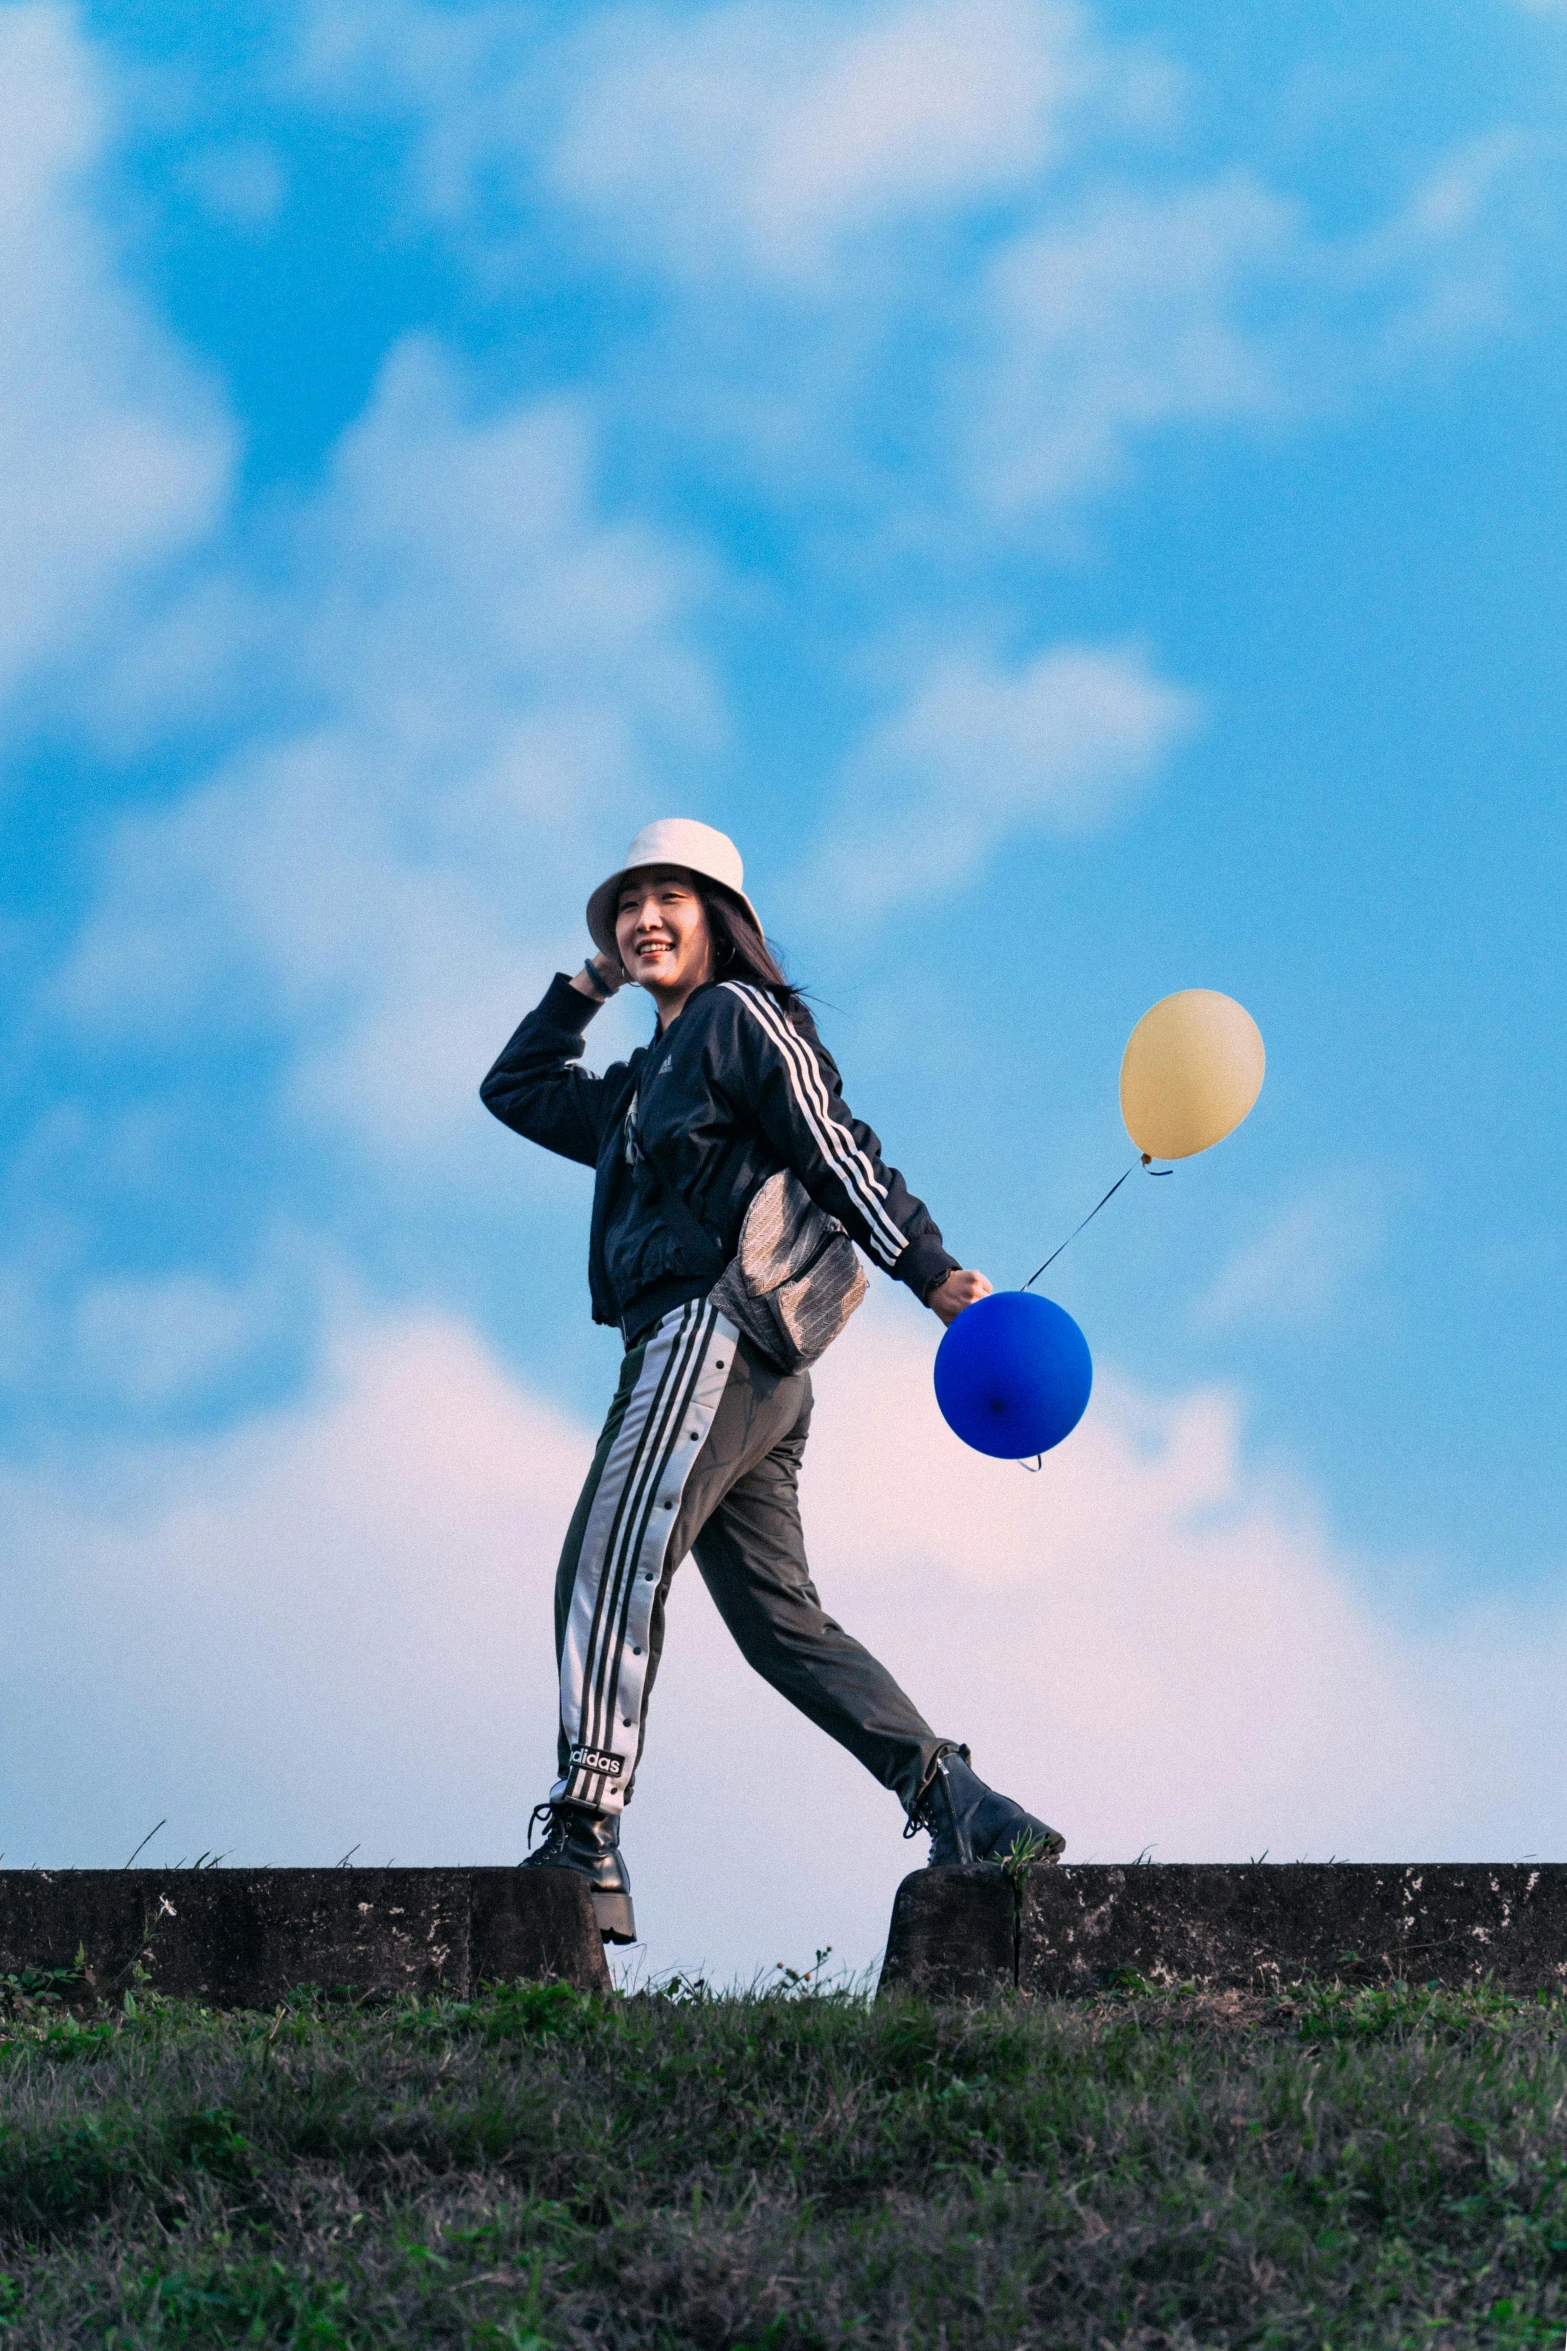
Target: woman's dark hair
[(741, 953)]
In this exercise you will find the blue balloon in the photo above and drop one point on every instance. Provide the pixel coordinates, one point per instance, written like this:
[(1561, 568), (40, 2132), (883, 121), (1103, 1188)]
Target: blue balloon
[(1013, 1375)]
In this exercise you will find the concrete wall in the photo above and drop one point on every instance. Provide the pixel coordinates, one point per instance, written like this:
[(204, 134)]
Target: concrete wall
[(244, 1938), (957, 1933)]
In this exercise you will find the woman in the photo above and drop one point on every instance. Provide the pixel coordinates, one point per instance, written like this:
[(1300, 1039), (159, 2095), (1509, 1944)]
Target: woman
[(701, 1450)]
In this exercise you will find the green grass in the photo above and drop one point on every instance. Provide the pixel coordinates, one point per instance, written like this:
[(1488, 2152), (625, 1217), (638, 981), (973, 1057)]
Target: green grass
[(789, 2170)]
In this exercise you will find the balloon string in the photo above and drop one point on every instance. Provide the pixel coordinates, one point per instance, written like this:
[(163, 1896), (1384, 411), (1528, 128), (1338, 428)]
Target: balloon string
[(1142, 1161)]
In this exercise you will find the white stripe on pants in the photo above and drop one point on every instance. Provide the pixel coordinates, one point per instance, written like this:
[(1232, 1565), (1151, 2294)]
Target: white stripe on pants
[(604, 1654)]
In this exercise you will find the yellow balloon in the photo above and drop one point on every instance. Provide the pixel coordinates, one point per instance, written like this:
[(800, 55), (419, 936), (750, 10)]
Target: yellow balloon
[(1191, 1070)]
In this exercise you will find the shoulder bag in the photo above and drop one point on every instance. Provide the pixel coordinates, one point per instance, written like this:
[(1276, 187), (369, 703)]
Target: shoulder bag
[(794, 1280)]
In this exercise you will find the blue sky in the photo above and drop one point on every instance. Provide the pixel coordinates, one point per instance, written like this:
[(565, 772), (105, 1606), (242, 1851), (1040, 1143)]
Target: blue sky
[(1078, 494)]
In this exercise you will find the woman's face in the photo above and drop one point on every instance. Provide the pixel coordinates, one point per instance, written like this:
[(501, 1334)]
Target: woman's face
[(661, 932)]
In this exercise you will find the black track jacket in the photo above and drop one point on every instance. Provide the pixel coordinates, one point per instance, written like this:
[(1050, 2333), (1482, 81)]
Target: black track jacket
[(729, 1093)]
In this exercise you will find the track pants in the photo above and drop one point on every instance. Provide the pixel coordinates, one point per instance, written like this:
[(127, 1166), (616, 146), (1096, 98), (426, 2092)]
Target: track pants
[(701, 1452)]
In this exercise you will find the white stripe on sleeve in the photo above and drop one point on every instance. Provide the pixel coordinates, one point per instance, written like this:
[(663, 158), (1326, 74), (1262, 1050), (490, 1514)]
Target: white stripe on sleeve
[(837, 1145)]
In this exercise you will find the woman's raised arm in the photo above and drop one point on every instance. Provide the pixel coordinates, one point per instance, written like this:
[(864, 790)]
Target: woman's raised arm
[(536, 1086)]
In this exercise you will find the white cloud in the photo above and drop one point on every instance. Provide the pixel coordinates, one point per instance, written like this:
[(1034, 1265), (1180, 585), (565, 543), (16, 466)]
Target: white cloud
[(297, 1635), (472, 672), (333, 1626), (766, 135), (773, 135), (1297, 1269), (459, 75), (1097, 329), (145, 1344), (154, 1341), (963, 222), (458, 539), (981, 753), (243, 181), (1134, 311), (25, 1319), (1460, 263), (116, 453)]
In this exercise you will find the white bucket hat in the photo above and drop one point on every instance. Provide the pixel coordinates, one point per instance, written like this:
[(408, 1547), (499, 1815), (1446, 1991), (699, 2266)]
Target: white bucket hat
[(674, 840)]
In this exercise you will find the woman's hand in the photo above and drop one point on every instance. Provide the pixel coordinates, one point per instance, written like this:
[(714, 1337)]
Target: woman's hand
[(960, 1289), (611, 977)]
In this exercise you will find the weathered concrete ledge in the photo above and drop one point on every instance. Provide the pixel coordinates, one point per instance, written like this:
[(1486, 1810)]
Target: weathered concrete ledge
[(245, 1938), (960, 1933)]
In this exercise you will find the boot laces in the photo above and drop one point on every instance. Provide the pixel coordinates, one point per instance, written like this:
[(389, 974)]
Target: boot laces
[(541, 1812), (920, 1810)]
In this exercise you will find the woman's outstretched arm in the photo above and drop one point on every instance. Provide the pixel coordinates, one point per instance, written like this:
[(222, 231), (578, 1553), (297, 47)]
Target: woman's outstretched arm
[(793, 1086)]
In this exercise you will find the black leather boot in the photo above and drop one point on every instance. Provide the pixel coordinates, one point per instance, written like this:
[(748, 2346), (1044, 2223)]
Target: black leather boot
[(589, 1843), (970, 1822)]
